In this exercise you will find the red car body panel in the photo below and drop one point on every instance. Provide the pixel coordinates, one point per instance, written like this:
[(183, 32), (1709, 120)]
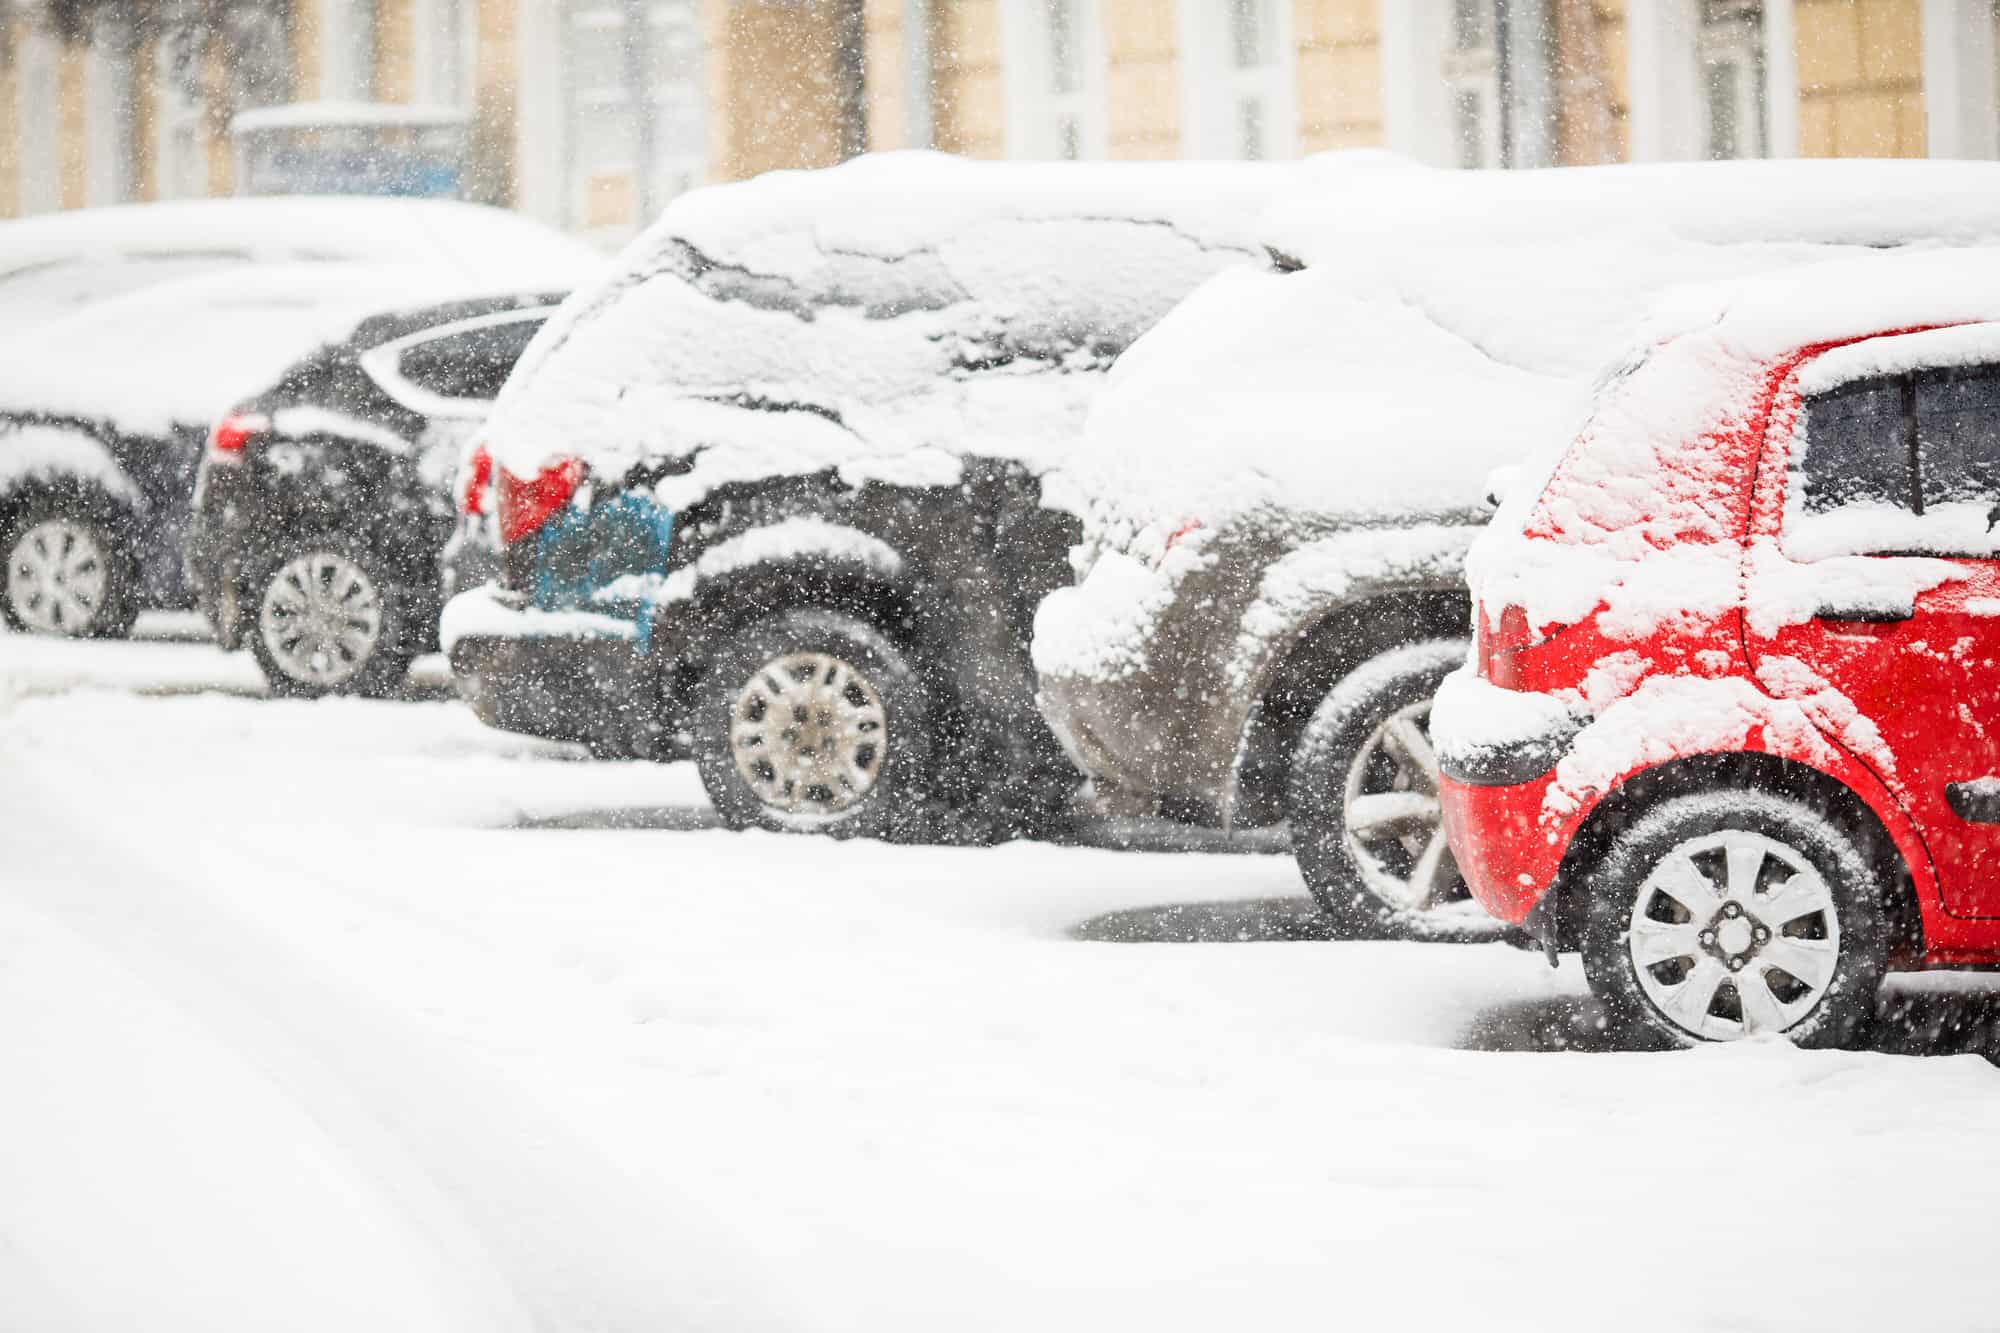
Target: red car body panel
[(1937, 722)]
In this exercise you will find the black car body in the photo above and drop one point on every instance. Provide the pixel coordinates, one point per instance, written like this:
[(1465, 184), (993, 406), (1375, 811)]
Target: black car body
[(323, 502), (786, 466)]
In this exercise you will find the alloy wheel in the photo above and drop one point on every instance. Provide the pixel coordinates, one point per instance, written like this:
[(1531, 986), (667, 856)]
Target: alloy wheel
[(1394, 819), (1734, 934), (809, 735), (57, 576), (321, 619)]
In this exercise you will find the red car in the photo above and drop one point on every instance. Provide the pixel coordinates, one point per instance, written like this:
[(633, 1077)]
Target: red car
[(1732, 726)]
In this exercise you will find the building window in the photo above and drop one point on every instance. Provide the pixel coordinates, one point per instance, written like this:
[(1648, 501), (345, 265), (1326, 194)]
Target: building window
[(446, 50), (636, 135), (1054, 75), (1731, 54), (1472, 74), (1237, 79), (38, 120)]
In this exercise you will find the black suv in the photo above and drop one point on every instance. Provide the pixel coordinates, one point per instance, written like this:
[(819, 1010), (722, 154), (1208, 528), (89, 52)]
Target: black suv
[(323, 503)]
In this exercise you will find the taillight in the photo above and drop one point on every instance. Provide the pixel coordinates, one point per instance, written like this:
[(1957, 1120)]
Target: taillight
[(1499, 638), (479, 476), (526, 505), (233, 434)]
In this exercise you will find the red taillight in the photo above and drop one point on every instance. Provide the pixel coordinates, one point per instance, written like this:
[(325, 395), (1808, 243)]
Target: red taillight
[(526, 505), (1499, 637), (233, 434), (478, 477)]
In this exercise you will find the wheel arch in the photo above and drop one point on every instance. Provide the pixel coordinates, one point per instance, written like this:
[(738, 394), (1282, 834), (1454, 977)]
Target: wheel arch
[(1855, 796), (68, 464), (1295, 676)]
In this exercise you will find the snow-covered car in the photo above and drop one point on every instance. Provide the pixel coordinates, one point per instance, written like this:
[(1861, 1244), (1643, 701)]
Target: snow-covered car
[(1286, 475), (1732, 727), (323, 502), (55, 264), (773, 491), (104, 412)]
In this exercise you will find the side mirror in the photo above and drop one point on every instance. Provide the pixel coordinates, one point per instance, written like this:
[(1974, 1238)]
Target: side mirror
[(1499, 483)]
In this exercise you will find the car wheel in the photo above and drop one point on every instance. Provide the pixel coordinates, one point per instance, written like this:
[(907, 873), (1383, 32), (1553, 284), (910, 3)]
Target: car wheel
[(326, 625), (1736, 913), (67, 574), (811, 722), (1367, 825)]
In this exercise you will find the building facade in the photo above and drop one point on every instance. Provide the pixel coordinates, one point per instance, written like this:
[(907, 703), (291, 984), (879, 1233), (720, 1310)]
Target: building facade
[(592, 113)]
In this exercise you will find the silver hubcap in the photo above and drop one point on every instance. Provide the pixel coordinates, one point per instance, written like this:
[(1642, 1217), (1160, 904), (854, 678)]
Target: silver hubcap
[(56, 577), (809, 735), (1395, 824), (320, 619), (1734, 934)]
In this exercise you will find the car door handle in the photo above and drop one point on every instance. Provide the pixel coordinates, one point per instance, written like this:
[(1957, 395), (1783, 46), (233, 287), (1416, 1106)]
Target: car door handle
[(1878, 614), (1976, 802)]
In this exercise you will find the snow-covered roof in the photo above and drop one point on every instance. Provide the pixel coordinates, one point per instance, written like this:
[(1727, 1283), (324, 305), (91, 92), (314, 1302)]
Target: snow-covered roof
[(1451, 322), (51, 263), (179, 354), (1640, 494), (904, 306)]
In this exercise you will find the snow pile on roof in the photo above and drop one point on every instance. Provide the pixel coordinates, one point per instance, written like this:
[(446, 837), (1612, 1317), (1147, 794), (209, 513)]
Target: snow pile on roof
[(799, 322), (52, 263), (1639, 517), (1449, 320), (178, 355)]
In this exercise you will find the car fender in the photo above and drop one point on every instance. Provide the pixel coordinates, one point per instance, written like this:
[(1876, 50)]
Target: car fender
[(795, 562), (1301, 595), (1570, 809), (41, 455)]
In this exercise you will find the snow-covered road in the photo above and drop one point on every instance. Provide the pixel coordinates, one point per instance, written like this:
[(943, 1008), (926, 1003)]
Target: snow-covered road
[(356, 1015)]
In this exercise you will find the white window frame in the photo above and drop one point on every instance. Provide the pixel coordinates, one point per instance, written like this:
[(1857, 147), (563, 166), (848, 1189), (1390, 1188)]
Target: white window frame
[(1036, 113), (1424, 71), (919, 106), (446, 63), (384, 365), (347, 50), (180, 169), (1214, 88), (1668, 47), (37, 99), (108, 119), (1723, 41), (1962, 78), (1472, 72)]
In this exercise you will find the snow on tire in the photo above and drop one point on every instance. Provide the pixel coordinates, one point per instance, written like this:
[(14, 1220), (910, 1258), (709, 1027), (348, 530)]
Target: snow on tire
[(1732, 913), (325, 624), (1367, 824), (68, 572), (813, 722)]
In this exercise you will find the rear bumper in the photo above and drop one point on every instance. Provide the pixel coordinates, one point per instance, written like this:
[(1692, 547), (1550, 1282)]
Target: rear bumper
[(567, 676), (1506, 852)]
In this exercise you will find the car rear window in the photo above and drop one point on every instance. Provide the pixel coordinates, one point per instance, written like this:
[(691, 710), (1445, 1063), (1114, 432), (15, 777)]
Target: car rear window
[(1958, 434), (469, 365), (1857, 450)]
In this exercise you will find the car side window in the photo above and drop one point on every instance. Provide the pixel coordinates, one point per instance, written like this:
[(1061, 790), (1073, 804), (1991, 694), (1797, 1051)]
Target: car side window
[(1958, 435), (1856, 447), (471, 364)]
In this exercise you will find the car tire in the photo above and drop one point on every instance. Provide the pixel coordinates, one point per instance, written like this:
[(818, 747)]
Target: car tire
[(325, 622), (827, 768), (1736, 912), (69, 572), (1367, 825)]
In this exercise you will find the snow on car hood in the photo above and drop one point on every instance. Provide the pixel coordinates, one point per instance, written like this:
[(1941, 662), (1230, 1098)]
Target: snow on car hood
[(178, 355), (793, 323)]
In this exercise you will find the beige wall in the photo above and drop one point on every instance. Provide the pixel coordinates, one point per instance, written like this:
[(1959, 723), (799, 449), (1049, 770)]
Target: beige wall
[(773, 94), (1142, 110), (12, 31), (395, 51), (496, 94), (968, 93), (70, 110), (1339, 73), (1860, 78)]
